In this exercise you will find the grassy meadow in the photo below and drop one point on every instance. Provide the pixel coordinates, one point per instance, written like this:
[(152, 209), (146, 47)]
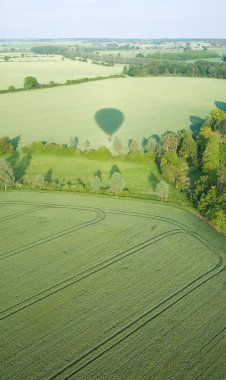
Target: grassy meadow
[(90, 289), (47, 69), (148, 106), (140, 178)]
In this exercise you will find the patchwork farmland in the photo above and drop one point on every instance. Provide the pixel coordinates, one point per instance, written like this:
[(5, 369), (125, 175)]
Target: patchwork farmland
[(122, 289)]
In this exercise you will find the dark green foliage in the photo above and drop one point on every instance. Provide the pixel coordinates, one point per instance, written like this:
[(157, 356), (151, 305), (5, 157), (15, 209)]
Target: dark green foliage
[(188, 148), (186, 55), (211, 155), (167, 68), (30, 83)]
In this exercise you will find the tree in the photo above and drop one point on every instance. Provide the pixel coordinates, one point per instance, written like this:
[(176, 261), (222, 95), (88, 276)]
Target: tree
[(117, 145), (221, 181), (162, 190), (169, 143), (40, 180), (134, 146), (188, 148), (151, 145), (211, 155), (86, 145), (220, 220), (175, 170), (6, 174), (73, 142), (11, 88), (7, 58), (117, 183), (96, 183), (30, 82), (5, 145)]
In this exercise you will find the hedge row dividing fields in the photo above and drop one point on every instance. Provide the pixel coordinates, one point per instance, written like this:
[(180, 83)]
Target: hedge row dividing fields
[(83, 277)]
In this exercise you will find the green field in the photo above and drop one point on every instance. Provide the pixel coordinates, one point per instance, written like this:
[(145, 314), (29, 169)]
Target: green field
[(149, 106), (95, 288), (47, 69)]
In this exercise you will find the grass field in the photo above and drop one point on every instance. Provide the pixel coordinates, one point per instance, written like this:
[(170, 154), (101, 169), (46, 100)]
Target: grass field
[(149, 106), (141, 178), (47, 69), (145, 301)]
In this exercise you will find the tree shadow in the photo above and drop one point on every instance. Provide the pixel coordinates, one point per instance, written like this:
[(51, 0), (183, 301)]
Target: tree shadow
[(221, 105), (196, 123), (114, 169), (80, 182), (98, 173), (156, 138), (153, 180), (109, 120), (48, 177), (19, 166), (15, 141), (144, 143), (13, 160)]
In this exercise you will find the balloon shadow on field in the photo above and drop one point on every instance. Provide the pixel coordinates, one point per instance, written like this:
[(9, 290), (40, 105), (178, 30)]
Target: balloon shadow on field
[(109, 120)]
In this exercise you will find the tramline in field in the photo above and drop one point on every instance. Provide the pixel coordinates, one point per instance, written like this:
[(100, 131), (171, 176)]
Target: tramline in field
[(149, 269)]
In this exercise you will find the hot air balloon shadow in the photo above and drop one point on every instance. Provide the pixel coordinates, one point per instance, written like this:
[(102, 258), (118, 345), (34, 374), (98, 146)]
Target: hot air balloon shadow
[(109, 120)]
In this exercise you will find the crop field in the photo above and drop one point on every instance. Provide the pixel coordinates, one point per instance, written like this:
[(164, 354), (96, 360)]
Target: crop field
[(97, 111), (95, 288), (47, 69)]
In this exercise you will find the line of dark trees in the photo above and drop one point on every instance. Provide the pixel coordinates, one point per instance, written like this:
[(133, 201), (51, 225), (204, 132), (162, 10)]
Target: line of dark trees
[(166, 68), (182, 56)]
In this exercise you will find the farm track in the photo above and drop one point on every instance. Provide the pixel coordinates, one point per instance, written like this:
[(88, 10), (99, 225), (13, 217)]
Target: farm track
[(100, 216), (85, 274), (137, 324)]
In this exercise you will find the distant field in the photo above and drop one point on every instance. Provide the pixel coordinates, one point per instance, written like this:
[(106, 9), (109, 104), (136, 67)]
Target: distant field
[(129, 107), (95, 288), (46, 69)]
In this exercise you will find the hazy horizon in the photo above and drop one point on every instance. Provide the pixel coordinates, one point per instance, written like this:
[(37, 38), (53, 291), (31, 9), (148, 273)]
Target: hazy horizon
[(112, 19)]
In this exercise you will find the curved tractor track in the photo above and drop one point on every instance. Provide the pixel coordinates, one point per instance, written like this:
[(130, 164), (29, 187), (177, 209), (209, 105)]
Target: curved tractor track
[(90, 271), (100, 215), (71, 369)]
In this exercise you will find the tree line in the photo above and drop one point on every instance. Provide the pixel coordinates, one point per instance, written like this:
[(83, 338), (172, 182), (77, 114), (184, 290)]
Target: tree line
[(194, 164), (166, 68), (181, 56)]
